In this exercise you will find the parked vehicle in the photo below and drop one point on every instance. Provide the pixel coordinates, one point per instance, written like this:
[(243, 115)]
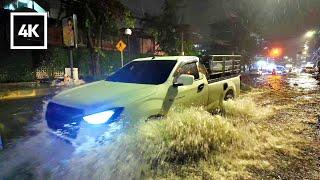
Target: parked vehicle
[(308, 68), (144, 88), (280, 70)]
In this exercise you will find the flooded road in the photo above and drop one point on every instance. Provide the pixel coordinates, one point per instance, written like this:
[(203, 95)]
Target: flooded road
[(37, 154), (302, 82), (16, 114)]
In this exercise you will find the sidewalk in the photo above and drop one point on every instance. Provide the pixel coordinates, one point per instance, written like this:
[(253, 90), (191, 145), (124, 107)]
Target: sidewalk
[(22, 90)]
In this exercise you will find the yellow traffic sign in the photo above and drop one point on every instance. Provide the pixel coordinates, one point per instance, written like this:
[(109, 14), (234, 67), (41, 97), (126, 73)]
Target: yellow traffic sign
[(121, 46)]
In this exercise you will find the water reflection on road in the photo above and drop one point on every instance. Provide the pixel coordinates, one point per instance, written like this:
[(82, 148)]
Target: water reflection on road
[(304, 82), (296, 82)]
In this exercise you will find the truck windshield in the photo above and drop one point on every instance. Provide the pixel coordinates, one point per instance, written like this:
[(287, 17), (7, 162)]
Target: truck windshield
[(144, 72)]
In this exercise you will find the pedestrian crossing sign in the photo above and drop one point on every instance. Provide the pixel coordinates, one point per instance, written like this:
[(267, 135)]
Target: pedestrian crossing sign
[(121, 46)]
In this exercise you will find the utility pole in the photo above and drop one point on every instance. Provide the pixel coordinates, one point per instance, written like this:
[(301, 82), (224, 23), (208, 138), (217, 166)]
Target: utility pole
[(182, 41), (71, 62), (128, 33)]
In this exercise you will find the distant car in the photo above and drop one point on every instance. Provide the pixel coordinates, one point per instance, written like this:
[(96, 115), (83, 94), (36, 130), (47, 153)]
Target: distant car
[(295, 70), (308, 69), (280, 70)]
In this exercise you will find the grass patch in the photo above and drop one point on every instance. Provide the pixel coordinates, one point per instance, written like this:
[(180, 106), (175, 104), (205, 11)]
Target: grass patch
[(250, 141), (246, 109), (188, 143)]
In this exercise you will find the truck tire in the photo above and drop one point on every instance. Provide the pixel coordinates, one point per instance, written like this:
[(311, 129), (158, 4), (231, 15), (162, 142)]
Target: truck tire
[(155, 117), (229, 95)]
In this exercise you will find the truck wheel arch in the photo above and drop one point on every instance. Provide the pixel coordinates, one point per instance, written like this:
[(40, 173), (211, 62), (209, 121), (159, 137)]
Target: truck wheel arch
[(229, 95)]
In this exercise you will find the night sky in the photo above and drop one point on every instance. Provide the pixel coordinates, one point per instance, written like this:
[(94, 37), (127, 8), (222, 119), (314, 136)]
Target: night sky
[(279, 21)]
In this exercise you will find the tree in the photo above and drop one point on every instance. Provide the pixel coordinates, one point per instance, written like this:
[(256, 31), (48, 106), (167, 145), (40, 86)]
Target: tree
[(165, 27), (100, 19)]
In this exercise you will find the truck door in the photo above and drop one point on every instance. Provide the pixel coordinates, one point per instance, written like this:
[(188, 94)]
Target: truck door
[(195, 94)]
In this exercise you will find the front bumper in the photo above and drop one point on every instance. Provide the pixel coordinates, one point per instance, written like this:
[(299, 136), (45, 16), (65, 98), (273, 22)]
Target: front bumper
[(67, 122)]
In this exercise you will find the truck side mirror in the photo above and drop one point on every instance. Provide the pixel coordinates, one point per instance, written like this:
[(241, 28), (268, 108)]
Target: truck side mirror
[(184, 80)]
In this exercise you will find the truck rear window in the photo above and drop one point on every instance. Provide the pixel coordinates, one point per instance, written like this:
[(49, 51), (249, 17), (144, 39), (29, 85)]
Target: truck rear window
[(144, 72)]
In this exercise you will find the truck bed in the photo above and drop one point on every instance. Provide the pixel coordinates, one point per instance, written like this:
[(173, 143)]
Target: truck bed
[(213, 80), (221, 67)]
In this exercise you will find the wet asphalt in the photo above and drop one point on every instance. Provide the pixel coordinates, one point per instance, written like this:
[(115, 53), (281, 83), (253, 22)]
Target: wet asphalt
[(17, 115)]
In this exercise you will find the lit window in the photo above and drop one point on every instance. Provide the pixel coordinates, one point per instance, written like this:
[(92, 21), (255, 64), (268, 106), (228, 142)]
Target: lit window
[(24, 3)]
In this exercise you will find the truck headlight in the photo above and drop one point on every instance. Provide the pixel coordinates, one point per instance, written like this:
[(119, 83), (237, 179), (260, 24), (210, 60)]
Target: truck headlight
[(107, 116), (99, 118)]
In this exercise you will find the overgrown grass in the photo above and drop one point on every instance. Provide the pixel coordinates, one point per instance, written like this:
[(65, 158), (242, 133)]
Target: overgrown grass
[(188, 143), (246, 109), (246, 142)]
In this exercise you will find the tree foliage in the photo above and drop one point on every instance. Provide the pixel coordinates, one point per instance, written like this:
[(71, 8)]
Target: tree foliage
[(100, 19), (166, 27)]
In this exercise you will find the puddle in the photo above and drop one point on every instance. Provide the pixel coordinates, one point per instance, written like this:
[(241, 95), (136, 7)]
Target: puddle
[(300, 82)]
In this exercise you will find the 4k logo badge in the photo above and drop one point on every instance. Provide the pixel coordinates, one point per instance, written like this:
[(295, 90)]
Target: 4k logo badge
[(28, 30)]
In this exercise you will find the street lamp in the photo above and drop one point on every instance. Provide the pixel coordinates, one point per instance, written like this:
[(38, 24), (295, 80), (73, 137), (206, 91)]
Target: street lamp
[(310, 34), (128, 32), (182, 43), (275, 52)]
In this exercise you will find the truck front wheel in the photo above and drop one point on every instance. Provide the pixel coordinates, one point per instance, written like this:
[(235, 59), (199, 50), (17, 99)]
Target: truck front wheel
[(229, 95)]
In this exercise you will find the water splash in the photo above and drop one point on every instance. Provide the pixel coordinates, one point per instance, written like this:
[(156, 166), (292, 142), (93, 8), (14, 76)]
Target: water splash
[(46, 155), (33, 156)]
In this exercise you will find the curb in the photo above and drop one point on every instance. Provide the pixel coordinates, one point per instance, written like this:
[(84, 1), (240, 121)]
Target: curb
[(19, 84), (26, 93)]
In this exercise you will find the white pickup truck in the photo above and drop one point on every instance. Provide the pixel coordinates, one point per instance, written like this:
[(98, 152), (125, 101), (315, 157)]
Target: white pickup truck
[(144, 88)]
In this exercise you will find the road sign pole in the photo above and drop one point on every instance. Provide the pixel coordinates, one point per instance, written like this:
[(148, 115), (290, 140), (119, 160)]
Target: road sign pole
[(121, 58), (71, 63), (121, 46)]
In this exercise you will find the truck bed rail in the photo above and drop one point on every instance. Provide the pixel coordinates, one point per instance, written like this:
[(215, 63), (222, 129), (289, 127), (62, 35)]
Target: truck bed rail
[(222, 65)]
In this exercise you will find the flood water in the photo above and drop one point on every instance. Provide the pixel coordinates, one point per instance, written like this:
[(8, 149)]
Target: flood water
[(37, 154), (295, 82)]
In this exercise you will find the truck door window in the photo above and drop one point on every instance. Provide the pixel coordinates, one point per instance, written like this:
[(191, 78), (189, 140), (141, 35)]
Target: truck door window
[(190, 69), (203, 70)]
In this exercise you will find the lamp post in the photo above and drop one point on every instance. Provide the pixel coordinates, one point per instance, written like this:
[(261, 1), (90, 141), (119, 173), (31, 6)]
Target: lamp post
[(182, 43), (128, 33)]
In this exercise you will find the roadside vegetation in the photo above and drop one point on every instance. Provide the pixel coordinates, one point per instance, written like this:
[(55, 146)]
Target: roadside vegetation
[(252, 139)]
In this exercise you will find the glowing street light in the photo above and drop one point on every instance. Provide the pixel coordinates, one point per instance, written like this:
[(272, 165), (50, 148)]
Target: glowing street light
[(310, 34), (275, 52), (128, 32)]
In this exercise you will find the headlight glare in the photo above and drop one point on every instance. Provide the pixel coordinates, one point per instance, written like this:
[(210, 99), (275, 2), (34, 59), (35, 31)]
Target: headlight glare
[(99, 118)]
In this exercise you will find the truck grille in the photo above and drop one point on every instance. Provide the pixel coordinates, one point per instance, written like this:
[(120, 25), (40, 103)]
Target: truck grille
[(64, 120)]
